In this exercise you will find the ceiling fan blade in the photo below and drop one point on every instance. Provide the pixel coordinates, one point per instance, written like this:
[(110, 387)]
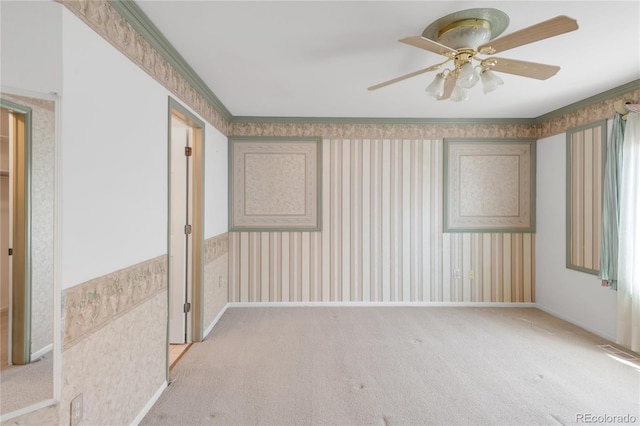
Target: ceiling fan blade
[(551, 28), (430, 45), (449, 85), (404, 77), (523, 68)]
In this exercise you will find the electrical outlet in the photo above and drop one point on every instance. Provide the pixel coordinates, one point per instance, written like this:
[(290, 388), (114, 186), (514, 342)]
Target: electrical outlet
[(76, 410), (472, 274), (456, 273)]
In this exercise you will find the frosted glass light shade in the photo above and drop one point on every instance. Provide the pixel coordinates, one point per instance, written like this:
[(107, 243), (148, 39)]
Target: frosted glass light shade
[(459, 94), (490, 81), (465, 37), (467, 77), (436, 88)]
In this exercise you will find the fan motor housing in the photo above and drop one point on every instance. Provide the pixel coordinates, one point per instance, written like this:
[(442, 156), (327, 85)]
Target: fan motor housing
[(467, 28)]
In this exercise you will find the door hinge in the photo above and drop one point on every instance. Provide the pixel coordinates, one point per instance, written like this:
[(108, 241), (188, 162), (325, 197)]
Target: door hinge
[(187, 307), (187, 229), (10, 252), (187, 151)]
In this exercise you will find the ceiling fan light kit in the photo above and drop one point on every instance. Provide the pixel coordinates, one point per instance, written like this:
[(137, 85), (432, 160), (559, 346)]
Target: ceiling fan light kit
[(436, 88), (461, 36), (490, 81)]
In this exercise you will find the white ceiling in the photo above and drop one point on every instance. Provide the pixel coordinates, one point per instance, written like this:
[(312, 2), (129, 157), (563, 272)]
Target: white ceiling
[(317, 58)]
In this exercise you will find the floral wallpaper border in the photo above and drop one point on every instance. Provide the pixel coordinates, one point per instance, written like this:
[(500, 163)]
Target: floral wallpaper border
[(591, 114), (90, 306), (384, 131)]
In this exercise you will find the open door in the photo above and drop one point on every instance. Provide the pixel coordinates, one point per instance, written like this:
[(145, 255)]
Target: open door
[(185, 230), (181, 232)]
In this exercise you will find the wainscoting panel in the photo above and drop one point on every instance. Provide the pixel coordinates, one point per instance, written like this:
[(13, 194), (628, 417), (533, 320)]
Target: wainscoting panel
[(114, 327), (216, 261), (382, 239)]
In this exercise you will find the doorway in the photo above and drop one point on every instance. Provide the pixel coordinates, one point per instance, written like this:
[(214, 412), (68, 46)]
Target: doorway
[(185, 230), (15, 277)]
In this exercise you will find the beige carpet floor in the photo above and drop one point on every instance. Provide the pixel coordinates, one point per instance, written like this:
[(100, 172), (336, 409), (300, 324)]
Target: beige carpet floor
[(397, 366), (24, 385)]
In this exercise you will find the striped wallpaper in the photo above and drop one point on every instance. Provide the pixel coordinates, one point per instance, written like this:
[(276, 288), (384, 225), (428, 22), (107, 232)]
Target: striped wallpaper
[(381, 238), (585, 152)]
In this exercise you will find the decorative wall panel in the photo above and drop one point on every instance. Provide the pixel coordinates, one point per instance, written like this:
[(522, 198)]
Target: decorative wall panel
[(275, 184), (489, 185)]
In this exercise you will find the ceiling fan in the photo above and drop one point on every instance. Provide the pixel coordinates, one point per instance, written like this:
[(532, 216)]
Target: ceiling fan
[(462, 36)]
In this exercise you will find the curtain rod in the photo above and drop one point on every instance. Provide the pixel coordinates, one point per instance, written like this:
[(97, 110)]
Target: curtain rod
[(623, 106)]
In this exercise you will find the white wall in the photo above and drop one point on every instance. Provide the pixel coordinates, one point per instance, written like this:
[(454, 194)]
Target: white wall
[(31, 46), (574, 296), (216, 183), (115, 161), (114, 195), (114, 173)]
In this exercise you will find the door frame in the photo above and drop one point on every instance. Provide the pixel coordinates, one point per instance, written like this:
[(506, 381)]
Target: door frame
[(20, 304), (197, 229)]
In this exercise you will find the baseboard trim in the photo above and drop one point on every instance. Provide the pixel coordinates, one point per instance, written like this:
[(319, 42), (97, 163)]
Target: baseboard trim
[(27, 410), (215, 321), (42, 352), (149, 404), (577, 323), (378, 304)]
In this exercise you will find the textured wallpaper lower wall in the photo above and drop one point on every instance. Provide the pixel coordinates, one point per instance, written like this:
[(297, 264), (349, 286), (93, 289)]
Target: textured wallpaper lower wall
[(381, 238), (114, 343), (119, 367), (216, 277)]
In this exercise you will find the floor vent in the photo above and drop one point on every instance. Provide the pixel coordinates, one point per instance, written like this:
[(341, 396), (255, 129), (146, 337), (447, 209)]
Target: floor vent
[(620, 353)]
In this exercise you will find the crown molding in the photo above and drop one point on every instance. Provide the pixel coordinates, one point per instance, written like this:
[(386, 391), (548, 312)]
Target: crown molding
[(379, 120), (141, 23), (600, 97)]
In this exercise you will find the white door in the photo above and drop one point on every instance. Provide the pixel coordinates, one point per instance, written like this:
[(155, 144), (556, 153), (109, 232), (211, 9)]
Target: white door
[(180, 236)]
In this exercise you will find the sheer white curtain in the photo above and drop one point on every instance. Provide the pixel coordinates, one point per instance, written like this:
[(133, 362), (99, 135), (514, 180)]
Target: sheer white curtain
[(629, 242)]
